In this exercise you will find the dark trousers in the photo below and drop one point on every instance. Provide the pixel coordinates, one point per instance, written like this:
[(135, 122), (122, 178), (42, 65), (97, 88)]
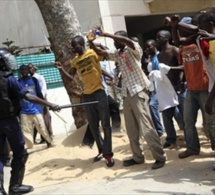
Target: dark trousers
[(96, 113), (10, 129), (114, 113)]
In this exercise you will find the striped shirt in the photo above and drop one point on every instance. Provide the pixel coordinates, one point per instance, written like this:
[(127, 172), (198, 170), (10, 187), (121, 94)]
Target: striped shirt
[(134, 79)]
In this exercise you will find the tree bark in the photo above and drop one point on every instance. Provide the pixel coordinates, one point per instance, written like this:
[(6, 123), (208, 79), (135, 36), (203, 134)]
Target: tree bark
[(62, 24)]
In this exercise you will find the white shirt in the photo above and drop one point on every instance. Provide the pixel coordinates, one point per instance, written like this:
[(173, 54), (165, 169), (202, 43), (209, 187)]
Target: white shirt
[(42, 83), (166, 94)]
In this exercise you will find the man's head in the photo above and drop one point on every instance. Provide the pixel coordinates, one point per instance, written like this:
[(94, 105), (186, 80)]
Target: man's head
[(4, 63), (207, 22), (32, 69), (150, 47), (24, 71), (163, 37), (117, 44), (78, 45)]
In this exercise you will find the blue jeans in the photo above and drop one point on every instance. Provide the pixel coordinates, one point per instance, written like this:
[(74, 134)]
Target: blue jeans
[(179, 110), (96, 113), (194, 101), (169, 125), (155, 114), (10, 129)]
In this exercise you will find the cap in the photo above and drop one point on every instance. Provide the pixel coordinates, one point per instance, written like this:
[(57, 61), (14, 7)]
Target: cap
[(186, 20)]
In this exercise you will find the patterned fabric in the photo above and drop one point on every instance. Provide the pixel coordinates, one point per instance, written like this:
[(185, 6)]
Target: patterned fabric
[(134, 79), (88, 67)]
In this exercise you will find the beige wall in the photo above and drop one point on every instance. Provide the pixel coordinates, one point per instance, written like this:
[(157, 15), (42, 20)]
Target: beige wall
[(174, 6)]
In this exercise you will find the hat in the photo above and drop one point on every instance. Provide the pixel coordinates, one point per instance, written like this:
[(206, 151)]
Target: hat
[(186, 20)]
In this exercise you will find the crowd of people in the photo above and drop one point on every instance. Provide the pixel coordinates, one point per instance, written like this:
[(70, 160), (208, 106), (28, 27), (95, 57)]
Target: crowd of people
[(180, 81)]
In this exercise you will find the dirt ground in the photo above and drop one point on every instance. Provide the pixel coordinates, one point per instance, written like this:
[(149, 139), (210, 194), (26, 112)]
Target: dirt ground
[(69, 161)]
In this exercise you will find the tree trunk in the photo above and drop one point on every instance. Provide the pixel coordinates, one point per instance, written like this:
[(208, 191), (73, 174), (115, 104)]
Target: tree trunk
[(62, 24)]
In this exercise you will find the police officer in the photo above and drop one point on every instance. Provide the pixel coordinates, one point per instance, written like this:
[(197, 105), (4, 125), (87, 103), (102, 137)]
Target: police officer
[(10, 93)]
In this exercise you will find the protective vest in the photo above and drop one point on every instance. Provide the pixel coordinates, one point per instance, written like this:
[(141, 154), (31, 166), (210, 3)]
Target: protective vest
[(9, 103)]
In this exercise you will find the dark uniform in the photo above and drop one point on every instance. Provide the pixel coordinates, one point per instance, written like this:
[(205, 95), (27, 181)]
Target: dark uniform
[(10, 128)]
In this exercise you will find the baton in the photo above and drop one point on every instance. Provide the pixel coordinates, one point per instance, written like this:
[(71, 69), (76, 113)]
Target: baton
[(76, 105)]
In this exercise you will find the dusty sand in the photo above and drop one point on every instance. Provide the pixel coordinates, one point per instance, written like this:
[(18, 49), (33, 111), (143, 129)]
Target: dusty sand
[(68, 161)]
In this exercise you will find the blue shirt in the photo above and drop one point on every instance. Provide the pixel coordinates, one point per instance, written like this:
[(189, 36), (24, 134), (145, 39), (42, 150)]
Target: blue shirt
[(15, 88), (34, 89)]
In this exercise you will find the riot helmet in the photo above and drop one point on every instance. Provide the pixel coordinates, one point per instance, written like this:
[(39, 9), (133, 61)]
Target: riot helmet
[(7, 60)]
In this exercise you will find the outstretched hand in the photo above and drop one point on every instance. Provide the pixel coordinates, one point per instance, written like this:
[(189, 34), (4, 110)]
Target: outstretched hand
[(55, 107), (58, 65)]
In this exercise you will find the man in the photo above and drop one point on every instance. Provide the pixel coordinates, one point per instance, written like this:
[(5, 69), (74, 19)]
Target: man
[(46, 113), (169, 56), (10, 93), (32, 114), (135, 86), (86, 63), (197, 88)]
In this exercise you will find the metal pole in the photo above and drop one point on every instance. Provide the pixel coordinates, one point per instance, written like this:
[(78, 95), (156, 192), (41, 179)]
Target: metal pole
[(76, 105)]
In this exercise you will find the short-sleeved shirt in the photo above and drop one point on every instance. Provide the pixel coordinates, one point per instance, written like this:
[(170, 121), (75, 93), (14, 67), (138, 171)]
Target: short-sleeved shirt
[(195, 73), (88, 67), (34, 89), (134, 79), (15, 88)]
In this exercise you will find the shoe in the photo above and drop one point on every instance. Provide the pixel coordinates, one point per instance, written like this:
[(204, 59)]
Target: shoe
[(186, 154), (109, 162), (50, 145), (42, 141), (19, 190), (98, 157), (158, 164), (167, 145), (130, 162)]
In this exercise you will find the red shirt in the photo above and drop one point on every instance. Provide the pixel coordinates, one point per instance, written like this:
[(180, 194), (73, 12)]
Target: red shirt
[(194, 68)]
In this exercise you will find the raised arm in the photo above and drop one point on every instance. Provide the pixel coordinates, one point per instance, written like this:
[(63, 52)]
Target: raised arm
[(116, 37)]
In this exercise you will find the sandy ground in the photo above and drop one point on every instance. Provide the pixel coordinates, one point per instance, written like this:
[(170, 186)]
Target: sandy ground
[(68, 161)]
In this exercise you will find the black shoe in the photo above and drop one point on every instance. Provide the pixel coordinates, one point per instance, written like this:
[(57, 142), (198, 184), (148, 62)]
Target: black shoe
[(158, 164), (130, 162), (43, 141), (98, 157), (166, 145), (19, 190), (50, 145), (109, 162)]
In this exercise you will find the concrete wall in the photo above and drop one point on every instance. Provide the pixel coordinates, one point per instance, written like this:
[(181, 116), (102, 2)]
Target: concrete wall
[(22, 23), (175, 6)]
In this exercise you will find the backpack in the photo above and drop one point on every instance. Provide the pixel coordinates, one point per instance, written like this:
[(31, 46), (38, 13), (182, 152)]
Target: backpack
[(9, 104)]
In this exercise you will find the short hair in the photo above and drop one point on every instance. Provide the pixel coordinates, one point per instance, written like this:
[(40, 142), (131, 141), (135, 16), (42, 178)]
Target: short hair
[(79, 39), (22, 66), (122, 33), (207, 17), (151, 41), (166, 34)]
